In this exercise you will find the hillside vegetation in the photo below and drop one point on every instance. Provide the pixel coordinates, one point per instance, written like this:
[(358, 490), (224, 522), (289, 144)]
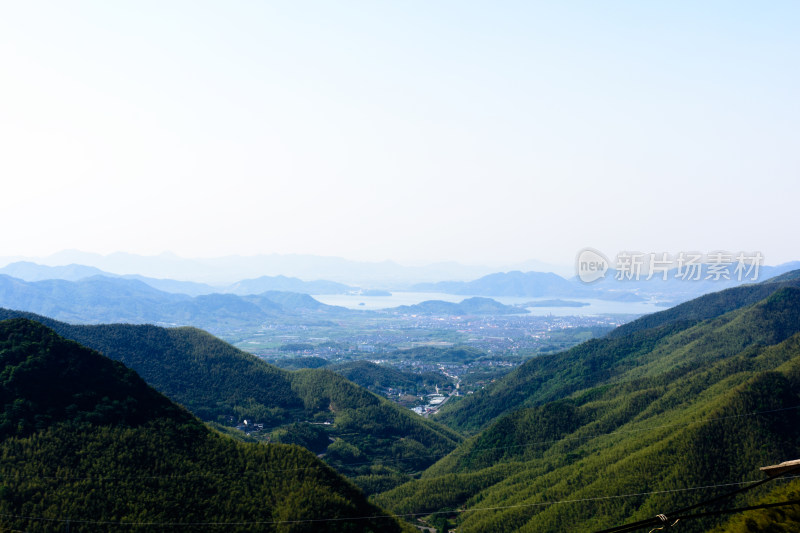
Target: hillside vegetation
[(374, 441), (627, 427), (597, 361), (86, 445)]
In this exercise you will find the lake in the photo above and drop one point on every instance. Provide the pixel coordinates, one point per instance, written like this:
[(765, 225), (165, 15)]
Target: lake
[(595, 307)]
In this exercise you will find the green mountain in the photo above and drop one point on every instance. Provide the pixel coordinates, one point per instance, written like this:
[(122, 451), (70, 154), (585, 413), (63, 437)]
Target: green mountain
[(708, 306), (363, 435), (382, 377), (298, 362), (86, 445), (453, 354), (597, 361), (628, 427)]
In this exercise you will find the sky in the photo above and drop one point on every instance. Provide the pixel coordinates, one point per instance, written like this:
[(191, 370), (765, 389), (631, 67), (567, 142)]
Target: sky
[(478, 132)]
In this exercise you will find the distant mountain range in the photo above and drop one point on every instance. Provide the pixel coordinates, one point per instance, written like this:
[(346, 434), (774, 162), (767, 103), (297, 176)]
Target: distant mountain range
[(283, 283), (100, 299), (527, 284), (545, 284), (221, 271), (499, 284), (29, 271)]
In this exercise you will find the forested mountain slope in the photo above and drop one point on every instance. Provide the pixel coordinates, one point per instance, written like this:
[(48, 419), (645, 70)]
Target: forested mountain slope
[(631, 427), (596, 361), (374, 440), (86, 445)]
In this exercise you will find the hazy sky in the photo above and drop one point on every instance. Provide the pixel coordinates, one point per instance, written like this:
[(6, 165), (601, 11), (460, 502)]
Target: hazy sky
[(416, 131)]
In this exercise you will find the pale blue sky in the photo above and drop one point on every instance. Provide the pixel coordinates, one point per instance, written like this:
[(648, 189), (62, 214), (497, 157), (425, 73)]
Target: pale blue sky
[(483, 132)]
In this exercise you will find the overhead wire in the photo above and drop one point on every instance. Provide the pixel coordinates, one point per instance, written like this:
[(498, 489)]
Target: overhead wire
[(678, 514), (366, 517)]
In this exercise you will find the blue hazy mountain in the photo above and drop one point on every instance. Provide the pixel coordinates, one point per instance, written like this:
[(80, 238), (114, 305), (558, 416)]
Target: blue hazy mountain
[(525, 284), (544, 284), (101, 299), (470, 306), (283, 283), (513, 283), (220, 271), (29, 271)]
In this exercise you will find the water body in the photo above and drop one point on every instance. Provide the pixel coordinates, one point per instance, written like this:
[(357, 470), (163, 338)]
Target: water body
[(595, 307)]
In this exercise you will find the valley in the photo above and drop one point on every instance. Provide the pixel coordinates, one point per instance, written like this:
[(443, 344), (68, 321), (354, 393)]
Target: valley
[(437, 416), (399, 267)]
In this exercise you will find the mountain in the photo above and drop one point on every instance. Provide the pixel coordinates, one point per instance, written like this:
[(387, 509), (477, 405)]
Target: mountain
[(190, 288), (376, 441), (28, 271), (787, 276), (462, 354), (596, 361), (676, 289), (710, 305), (513, 283), (293, 302), (665, 414), (89, 299), (382, 377), (286, 284), (470, 306), (100, 299), (296, 363), (768, 272), (227, 270), (638, 288), (87, 446)]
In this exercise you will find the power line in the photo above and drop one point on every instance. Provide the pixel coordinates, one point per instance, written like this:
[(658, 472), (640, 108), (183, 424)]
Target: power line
[(662, 518), (738, 510), (366, 517)]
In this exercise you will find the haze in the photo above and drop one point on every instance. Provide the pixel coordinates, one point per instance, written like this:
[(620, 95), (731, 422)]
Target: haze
[(418, 132)]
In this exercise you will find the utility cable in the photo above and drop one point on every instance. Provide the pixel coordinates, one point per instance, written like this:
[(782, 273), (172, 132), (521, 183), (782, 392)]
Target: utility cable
[(658, 520)]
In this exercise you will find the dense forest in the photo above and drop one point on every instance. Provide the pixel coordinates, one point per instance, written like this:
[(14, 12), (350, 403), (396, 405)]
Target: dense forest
[(631, 426), (368, 438), (87, 445)]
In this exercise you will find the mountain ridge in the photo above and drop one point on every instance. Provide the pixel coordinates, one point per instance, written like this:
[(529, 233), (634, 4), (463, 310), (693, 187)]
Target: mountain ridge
[(91, 445), (220, 383), (652, 414)]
